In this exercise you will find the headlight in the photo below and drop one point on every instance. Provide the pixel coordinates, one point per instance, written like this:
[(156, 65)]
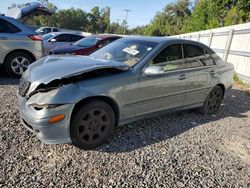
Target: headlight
[(42, 106)]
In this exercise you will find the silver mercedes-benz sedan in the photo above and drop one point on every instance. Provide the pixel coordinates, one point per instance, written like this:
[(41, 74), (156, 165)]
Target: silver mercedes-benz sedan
[(82, 99)]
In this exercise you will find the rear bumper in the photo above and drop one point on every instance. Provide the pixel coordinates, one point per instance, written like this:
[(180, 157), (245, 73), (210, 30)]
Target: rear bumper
[(37, 123)]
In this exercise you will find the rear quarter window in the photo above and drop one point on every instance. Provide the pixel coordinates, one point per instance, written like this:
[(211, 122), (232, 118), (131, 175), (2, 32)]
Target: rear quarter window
[(7, 27)]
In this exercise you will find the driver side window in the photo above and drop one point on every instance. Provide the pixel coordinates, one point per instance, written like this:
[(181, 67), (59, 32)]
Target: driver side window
[(170, 58)]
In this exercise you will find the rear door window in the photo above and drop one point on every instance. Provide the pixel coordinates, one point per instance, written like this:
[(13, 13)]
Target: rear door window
[(75, 38), (55, 30), (63, 38), (46, 30), (6, 27), (195, 56)]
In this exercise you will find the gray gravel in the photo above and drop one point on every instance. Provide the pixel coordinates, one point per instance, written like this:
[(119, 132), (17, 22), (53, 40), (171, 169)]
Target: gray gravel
[(184, 149)]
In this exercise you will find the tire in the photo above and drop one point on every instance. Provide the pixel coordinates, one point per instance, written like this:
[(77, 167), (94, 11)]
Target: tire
[(17, 62), (213, 101), (92, 125)]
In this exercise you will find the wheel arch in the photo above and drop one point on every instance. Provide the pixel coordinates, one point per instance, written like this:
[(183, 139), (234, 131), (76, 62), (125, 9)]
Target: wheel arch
[(106, 99), (222, 87), (18, 50)]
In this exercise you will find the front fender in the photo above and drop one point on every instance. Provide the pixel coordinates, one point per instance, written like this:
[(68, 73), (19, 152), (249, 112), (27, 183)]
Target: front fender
[(66, 94)]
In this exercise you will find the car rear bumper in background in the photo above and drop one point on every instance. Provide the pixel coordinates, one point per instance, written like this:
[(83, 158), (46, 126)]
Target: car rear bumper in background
[(37, 122)]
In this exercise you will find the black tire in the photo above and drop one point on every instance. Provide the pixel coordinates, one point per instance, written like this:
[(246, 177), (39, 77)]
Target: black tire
[(213, 101), (92, 125), (10, 63)]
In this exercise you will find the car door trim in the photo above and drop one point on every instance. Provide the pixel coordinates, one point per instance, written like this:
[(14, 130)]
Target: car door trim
[(151, 100)]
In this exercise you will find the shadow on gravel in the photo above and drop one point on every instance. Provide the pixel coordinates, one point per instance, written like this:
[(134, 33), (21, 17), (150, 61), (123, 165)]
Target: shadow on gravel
[(6, 80), (150, 131)]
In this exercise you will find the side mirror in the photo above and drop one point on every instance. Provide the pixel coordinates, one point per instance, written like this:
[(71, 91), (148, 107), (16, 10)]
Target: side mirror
[(53, 40), (153, 71)]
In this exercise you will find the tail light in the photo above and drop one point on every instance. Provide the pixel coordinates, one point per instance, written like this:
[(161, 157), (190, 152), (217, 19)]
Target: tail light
[(35, 37)]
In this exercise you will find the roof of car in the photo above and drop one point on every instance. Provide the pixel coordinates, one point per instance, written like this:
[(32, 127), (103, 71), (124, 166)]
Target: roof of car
[(61, 32), (163, 40), (105, 36)]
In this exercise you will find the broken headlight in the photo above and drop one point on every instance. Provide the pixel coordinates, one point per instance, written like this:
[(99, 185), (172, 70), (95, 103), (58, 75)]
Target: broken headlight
[(42, 106)]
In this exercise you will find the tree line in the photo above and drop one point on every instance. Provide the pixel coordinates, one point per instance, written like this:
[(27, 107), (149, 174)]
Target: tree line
[(179, 17)]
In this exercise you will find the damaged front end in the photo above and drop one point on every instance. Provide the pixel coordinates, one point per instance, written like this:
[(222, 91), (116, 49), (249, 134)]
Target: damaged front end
[(49, 92), (55, 76)]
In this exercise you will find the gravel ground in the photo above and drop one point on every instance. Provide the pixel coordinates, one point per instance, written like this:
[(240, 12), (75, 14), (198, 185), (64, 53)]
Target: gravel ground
[(184, 149)]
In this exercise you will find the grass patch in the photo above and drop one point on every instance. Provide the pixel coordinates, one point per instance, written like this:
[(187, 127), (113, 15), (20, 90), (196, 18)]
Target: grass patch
[(238, 82)]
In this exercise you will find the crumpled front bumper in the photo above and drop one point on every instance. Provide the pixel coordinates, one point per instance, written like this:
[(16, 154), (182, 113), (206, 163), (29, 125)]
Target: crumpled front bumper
[(37, 122)]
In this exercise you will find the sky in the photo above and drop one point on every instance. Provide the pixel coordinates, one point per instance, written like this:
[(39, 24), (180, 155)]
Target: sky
[(142, 11)]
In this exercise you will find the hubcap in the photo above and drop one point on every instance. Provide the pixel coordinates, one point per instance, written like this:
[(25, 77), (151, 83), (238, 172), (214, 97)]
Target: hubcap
[(93, 126), (214, 100), (19, 65)]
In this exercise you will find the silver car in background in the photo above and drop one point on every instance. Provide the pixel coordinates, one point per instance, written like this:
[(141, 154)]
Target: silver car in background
[(19, 46), (56, 39), (81, 99), (45, 30)]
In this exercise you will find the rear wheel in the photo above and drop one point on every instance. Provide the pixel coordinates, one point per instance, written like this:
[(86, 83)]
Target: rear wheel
[(92, 125), (17, 62), (213, 101)]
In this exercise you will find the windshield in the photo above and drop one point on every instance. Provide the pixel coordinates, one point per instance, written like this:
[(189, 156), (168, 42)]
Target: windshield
[(48, 36), (87, 42), (128, 51)]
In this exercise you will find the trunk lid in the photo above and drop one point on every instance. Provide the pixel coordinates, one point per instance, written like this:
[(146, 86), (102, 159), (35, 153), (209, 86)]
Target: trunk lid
[(28, 10)]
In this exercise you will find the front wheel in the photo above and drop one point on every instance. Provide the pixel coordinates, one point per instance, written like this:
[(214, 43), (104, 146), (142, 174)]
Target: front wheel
[(92, 125), (213, 101)]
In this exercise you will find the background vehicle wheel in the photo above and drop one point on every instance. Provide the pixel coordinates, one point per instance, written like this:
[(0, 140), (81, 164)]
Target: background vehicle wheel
[(213, 101), (16, 63), (92, 125)]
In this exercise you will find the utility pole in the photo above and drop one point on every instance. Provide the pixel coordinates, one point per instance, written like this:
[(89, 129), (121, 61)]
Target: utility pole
[(126, 17)]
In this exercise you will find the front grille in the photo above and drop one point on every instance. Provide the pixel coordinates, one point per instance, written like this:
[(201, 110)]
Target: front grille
[(23, 87)]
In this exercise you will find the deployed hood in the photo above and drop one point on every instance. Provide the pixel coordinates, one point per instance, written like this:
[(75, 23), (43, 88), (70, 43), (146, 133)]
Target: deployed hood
[(29, 10), (53, 68)]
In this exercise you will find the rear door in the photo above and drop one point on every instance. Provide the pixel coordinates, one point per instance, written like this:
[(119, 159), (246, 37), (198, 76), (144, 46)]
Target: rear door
[(201, 73)]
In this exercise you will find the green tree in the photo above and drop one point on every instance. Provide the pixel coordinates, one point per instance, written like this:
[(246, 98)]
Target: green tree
[(170, 21), (208, 14)]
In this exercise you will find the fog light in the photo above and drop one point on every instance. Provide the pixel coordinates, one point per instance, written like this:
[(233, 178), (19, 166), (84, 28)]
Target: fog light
[(57, 118)]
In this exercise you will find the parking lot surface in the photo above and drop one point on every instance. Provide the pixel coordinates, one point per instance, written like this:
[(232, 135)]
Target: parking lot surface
[(183, 149)]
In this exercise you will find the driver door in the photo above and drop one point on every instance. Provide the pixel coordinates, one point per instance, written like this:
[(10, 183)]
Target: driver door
[(165, 90)]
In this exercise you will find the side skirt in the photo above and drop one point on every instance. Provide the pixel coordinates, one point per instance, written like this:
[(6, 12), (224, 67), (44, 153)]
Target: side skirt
[(162, 112)]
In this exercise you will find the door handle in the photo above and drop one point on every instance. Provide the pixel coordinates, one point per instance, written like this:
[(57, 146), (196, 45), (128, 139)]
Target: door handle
[(212, 72), (182, 77)]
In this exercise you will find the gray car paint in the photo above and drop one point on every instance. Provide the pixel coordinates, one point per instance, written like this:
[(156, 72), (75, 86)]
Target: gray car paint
[(135, 94), (10, 42)]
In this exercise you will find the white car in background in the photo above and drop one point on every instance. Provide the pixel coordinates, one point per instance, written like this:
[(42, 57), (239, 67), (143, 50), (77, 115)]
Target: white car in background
[(55, 39)]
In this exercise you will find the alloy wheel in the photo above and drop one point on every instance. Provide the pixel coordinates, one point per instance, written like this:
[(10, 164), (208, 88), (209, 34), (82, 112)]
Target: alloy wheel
[(214, 100), (93, 126), (19, 65)]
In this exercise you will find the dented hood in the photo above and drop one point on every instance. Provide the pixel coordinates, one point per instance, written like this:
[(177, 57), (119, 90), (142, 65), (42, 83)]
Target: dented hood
[(52, 68)]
